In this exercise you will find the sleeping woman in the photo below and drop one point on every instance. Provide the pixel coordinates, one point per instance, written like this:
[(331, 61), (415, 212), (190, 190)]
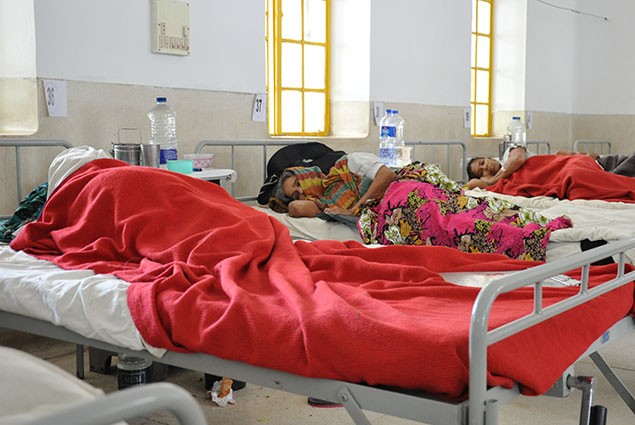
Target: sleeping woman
[(418, 206), (351, 181)]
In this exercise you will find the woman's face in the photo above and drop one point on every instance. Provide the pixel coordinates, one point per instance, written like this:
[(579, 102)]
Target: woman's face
[(291, 188), (484, 167)]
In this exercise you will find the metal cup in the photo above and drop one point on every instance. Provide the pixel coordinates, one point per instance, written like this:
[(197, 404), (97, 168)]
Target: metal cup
[(127, 152), (150, 155)]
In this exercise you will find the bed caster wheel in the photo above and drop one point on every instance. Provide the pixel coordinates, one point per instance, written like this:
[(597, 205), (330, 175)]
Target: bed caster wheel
[(598, 415)]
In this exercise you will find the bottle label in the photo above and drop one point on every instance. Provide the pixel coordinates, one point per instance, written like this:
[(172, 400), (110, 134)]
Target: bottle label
[(168, 155), (388, 131), (133, 378)]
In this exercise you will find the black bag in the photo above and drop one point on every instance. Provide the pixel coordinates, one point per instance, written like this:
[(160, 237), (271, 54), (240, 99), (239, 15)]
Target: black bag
[(310, 154)]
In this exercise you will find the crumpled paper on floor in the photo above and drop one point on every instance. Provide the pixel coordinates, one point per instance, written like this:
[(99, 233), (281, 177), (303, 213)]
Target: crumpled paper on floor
[(222, 393)]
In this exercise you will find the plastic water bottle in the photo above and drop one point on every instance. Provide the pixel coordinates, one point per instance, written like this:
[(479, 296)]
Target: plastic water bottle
[(133, 371), (387, 137), (163, 130), (518, 132), (400, 143)]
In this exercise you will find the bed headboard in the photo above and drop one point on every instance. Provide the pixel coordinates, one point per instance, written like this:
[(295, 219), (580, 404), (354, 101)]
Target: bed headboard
[(539, 146), (19, 145), (598, 146), (450, 155)]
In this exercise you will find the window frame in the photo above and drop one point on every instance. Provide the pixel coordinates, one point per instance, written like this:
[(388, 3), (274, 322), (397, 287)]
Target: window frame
[(475, 69), (274, 60)]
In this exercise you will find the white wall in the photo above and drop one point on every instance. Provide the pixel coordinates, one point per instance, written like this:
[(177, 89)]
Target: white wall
[(509, 55), (605, 62), (109, 41), (575, 63), (420, 51)]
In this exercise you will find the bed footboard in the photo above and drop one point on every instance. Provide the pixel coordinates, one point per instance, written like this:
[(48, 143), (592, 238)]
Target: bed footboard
[(481, 337)]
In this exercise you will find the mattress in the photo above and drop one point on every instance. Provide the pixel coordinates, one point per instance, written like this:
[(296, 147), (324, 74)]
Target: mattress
[(93, 305)]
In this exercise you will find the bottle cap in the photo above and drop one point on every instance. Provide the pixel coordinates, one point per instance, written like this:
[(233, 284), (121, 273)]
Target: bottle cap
[(162, 99)]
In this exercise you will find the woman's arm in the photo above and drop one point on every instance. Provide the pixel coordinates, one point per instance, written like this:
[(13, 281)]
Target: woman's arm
[(515, 160), (303, 208), (376, 190)]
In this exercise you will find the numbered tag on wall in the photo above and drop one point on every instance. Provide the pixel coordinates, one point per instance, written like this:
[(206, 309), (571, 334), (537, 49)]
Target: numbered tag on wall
[(260, 108)]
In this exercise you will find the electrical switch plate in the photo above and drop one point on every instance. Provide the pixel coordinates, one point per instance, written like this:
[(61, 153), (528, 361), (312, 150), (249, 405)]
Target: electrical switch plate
[(170, 27), (467, 112), (56, 98), (260, 108), (378, 111)]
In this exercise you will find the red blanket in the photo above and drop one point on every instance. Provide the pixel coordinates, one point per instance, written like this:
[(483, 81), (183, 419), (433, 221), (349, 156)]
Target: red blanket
[(566, 177), (209, 274)]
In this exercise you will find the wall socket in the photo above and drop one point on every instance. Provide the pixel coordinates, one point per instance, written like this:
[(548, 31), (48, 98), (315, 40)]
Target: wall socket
[(56, 97)]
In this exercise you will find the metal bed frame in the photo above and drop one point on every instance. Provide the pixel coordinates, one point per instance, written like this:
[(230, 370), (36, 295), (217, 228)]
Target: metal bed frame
[(539, 145), (600, 146), (482, 406), (24, 143), (265, 144), (134, 402)]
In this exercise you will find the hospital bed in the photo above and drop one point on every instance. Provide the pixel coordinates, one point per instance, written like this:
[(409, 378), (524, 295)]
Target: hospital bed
[(62, 322), (480, 408)]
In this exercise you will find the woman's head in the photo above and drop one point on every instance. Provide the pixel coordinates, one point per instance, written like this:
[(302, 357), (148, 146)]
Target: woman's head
[(479, 167), (286, 190)]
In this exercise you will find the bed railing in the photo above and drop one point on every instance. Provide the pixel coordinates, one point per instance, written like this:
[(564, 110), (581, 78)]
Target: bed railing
[(134, 402), (598, 146), (23, 143), (264, 144), (453, 164), (539, 146), (481, 338)]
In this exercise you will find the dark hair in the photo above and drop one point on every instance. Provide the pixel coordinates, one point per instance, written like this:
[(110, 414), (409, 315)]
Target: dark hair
[(470, 174), (278, 200)]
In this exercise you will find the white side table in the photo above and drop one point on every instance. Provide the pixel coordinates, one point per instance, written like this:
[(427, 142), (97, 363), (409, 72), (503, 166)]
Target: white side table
[(223, 177)]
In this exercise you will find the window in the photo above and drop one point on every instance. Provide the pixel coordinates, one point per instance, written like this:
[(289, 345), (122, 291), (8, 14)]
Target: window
[(18, 82), (481, 96), (298, 67)]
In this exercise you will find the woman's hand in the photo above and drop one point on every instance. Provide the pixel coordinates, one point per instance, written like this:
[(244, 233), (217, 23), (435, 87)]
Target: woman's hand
[(335, 209)]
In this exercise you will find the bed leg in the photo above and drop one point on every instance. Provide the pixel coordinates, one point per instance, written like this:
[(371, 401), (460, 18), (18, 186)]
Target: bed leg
[(587, 385), (79, 361), (100, 360), (598, 415), (351, 406), (614, 380)]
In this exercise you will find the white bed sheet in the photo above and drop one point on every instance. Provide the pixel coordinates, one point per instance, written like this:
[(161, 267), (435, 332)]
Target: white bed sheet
[(313, 228), (93, 305)]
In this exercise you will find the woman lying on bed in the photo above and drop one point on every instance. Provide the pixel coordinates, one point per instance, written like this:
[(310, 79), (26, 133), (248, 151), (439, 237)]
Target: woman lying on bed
[(566, 175), (420, 207), (353, 179)]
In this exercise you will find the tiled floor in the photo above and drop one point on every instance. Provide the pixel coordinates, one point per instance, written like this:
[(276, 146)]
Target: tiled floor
[(257, 405)]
